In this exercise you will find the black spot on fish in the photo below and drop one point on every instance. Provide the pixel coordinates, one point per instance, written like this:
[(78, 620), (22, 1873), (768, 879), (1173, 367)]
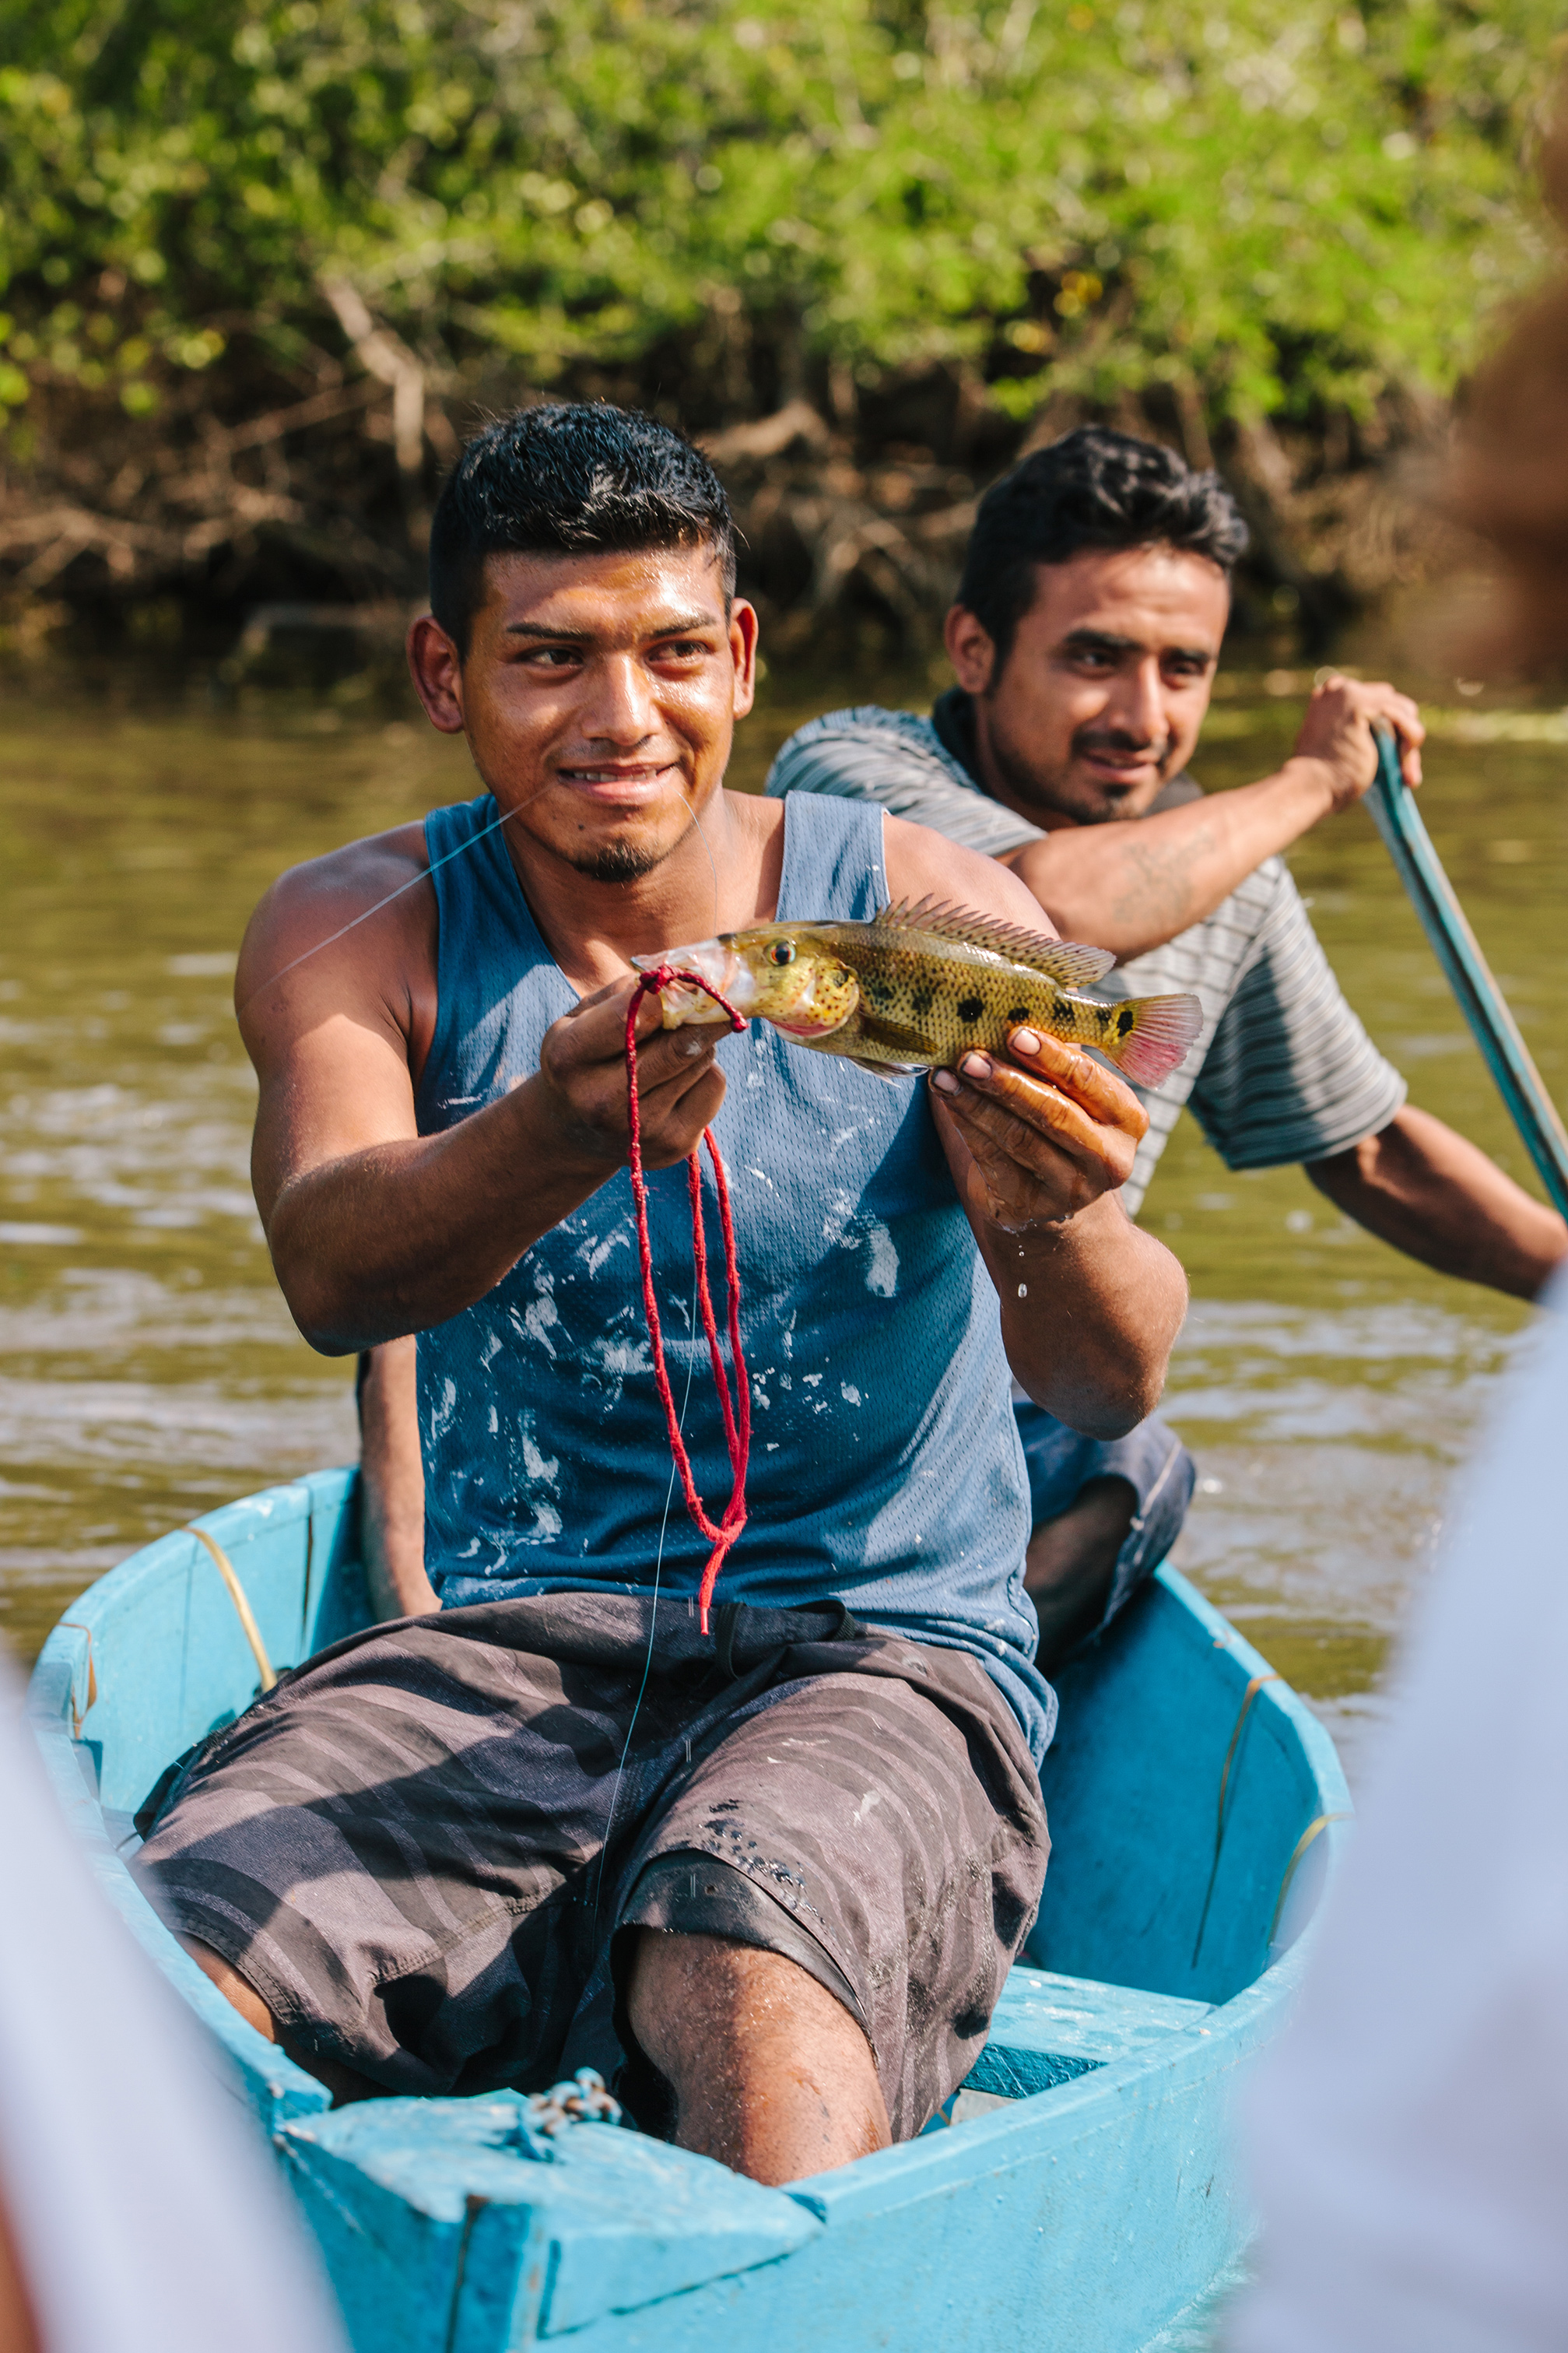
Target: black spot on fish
[(1018, 1013), (970, 1008), (1126, 1019), (922, 1001)]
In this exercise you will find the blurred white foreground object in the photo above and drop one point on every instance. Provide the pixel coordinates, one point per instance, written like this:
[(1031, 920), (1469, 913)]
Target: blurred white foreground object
[(145, 2213), (1410, 2132)]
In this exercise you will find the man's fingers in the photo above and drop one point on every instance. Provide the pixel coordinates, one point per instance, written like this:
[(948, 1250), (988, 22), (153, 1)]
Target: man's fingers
[(595, 1032), (1385, 703), (1061, 1093), (1078, 1075), (1035, 1124), (1368, 701)]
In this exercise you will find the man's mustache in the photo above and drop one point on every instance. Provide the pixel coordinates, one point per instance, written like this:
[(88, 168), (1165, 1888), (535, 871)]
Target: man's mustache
[(1124, 748)]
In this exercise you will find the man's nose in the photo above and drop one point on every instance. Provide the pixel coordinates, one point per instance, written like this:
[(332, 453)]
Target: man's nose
[(1138, 702), (619, 706)]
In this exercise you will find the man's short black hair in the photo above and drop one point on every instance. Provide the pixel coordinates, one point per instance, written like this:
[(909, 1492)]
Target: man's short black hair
[(1091, 489), (570, 478)]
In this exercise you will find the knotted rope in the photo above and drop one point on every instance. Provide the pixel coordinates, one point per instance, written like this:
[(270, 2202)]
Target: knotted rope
[(736, 1410)]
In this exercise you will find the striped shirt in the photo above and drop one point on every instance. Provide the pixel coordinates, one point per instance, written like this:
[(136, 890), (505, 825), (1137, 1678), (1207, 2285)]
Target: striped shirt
[(1282, 1071)]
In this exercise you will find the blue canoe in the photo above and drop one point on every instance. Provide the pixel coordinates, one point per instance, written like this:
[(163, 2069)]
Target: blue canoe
[(1086, 2195)]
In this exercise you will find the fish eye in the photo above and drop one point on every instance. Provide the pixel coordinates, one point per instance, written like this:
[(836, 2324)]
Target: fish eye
[(782, 952)]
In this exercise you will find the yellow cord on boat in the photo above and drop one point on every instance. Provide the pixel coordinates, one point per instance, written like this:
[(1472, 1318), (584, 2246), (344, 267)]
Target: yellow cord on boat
[(78, 1713), (1319, 1823), (1253, 1688), (242, 1608)]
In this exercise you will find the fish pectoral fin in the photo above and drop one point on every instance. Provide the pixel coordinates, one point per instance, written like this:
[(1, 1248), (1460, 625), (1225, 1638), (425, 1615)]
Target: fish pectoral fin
[(1070, 963), (891, 1072), (895, 1041)]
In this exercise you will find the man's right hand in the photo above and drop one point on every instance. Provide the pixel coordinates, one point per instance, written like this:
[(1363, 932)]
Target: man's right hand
[(1337, 734), (581, 1082)]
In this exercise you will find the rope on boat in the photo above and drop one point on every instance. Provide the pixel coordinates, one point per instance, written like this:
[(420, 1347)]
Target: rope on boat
[(736, 1410), (1319, 1823), (580, 2100), (79, 1712), (546, 2116), (242, 1608), (1253, 1688)]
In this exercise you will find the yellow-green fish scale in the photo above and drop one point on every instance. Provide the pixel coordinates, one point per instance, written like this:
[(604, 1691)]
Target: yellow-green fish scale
[(933, 1006)]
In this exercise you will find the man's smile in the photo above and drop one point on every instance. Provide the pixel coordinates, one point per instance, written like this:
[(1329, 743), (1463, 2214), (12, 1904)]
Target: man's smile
[(634, 780), (1124, 762)]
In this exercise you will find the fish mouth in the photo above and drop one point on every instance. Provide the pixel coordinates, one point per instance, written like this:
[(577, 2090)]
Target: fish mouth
[(807, 1029), (734, 976), (713, 962)]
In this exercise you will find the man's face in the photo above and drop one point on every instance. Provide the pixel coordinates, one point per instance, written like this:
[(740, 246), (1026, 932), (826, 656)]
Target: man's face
[(1102, 695), (599, 696)]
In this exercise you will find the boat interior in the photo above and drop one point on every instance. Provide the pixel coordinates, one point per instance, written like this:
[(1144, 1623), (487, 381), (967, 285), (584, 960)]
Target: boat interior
[(1178, 1790)]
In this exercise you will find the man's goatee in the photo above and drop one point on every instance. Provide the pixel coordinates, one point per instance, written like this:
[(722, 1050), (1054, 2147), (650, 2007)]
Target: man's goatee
[(618, 861)]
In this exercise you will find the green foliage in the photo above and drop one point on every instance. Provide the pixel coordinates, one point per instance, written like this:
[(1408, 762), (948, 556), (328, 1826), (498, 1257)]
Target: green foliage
[(1265, 204)]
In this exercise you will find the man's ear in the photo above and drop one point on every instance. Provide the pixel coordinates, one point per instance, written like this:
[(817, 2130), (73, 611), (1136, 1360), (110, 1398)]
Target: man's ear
[(743, 628), (970, 647), (436, 669)]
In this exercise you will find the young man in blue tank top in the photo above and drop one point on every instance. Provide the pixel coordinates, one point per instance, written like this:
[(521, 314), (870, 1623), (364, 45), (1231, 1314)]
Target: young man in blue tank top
[(774, 1878)]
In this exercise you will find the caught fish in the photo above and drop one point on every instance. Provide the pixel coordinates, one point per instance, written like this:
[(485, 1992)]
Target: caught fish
[(919, 987)]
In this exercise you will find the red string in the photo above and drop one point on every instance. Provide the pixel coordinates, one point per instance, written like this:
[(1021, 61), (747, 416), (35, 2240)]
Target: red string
[(737, 1411)]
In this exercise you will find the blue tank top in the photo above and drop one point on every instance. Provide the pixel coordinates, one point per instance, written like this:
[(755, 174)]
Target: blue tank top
[(886, 1468)]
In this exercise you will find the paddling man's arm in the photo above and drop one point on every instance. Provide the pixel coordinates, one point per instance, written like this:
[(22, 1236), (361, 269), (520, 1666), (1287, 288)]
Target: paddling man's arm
[(1438, 1198), (1133, 883)]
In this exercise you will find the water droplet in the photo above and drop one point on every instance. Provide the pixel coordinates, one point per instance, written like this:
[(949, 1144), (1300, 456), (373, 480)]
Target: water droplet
[(1023, 1291)]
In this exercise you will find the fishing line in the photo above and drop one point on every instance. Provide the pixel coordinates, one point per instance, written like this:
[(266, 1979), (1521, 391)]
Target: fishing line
[(412, 884), (445, 859), (697, 821), (652, 1623)]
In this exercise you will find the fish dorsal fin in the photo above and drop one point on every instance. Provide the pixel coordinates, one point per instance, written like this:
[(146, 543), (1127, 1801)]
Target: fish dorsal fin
[(1066, 962)]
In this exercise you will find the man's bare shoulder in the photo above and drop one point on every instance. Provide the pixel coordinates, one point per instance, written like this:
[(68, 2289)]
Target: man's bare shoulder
[(926, 865), (364, 909)]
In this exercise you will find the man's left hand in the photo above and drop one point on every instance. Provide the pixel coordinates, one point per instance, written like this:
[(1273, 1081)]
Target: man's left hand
[(1034, 1137)]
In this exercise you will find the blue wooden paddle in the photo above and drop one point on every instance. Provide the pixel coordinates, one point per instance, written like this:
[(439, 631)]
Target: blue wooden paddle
[(1481, 1001)]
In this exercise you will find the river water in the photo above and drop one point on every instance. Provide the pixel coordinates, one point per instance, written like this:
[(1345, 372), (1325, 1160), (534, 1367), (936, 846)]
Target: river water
[(148, 1369)]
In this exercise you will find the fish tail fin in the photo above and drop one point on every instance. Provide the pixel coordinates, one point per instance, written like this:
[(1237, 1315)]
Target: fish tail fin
[(1159, 1037)]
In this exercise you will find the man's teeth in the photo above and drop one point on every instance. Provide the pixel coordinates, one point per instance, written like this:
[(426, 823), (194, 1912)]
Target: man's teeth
[(611, 776)]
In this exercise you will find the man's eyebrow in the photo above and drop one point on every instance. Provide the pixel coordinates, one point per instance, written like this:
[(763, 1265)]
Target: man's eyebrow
[(683, 625), (1105, 641)]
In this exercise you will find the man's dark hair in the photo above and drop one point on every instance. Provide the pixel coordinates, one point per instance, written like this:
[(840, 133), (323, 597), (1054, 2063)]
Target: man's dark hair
[(1091, 489), (570, 478)]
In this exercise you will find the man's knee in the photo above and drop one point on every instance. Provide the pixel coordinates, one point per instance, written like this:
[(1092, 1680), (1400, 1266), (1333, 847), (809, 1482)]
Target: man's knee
[(1070, 1569), (769, 2072), (1082, 1545), (343, 2083), (237, 1992)]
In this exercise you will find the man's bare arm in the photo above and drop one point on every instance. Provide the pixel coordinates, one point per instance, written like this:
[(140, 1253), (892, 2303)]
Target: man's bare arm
[(1435, 1197), (1039, 1142), (392, 1484), (375, 1230), (1133, 884)]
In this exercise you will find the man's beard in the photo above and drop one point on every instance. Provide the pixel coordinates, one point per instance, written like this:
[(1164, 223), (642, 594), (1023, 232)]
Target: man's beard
[(619, 862), (1056, 797)]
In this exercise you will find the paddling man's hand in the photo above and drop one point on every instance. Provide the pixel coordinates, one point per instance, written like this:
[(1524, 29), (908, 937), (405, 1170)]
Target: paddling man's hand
[(1037, 1137), (582, 1075), (1337, 734)]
